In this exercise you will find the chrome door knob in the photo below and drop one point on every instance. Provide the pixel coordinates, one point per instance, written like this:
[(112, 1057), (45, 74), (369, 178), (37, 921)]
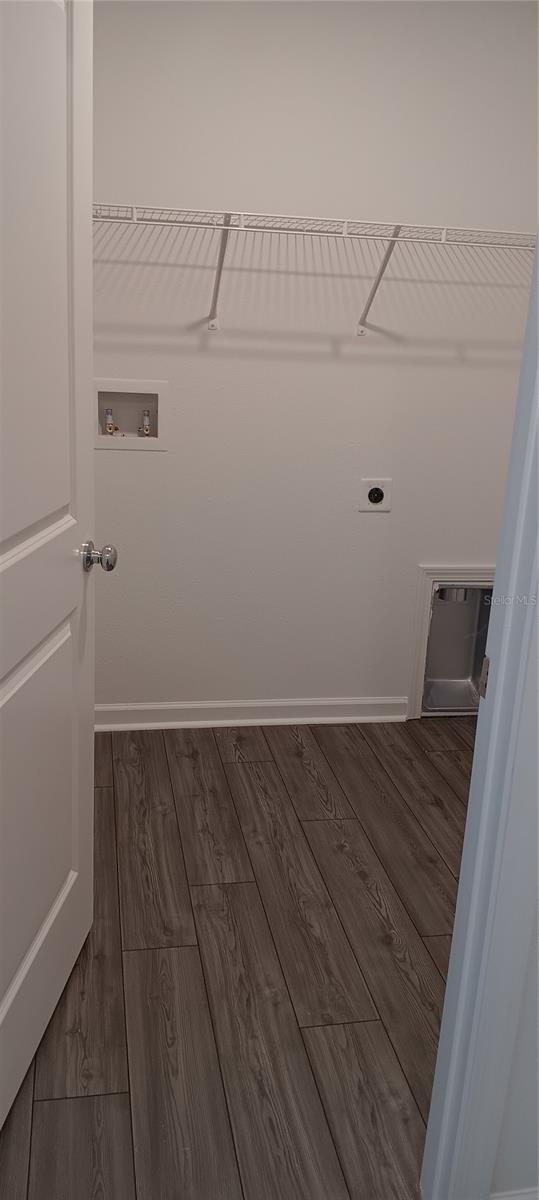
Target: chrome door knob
[(107, 557)]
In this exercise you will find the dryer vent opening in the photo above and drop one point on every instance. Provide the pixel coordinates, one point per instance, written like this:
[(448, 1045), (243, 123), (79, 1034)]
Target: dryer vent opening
[(456, 647)]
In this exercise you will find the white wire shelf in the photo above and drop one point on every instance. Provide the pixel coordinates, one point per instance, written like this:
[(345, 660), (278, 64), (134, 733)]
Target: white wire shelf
[(227, 222), (271, 223)]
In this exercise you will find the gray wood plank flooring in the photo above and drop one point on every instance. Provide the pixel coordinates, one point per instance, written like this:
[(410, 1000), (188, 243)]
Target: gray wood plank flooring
[(400, 841), (15, 1142), (377, 1129), (243, 744), (440, 949), (311, 784), (465, 728), (444, 748), (213, 844), (154, 896), (454, 769), (400, 974), (281, 1012), (284, 1147), (323, 977), (103, 760), (195, 758), (436, 734), (83, 1052), (82, 1148), (427, 794), (181, 1132)]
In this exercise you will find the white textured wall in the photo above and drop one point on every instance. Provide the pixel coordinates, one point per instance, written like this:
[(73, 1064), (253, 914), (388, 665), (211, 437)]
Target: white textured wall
[(246, 571), (385, 111)]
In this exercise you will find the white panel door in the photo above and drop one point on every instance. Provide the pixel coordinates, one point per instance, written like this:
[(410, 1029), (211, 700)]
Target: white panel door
[(46, 512)]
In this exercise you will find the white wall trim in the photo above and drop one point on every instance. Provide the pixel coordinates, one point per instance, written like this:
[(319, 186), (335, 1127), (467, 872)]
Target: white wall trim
[(202, 713), (527, 1194), (429, 573)]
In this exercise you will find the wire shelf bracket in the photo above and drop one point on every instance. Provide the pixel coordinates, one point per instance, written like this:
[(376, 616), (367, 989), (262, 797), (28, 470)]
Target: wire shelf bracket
[(362, 323), (213, 319)]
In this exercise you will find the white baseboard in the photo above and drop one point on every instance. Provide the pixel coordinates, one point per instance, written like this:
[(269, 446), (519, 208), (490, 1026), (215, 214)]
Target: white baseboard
[(250, 712), (526, 1194)]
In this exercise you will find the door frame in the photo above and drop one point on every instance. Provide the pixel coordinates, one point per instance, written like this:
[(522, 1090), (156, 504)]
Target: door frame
[(481, 1012)]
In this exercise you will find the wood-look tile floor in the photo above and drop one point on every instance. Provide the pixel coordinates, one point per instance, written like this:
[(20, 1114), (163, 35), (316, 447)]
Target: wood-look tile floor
[(255, 1012)]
